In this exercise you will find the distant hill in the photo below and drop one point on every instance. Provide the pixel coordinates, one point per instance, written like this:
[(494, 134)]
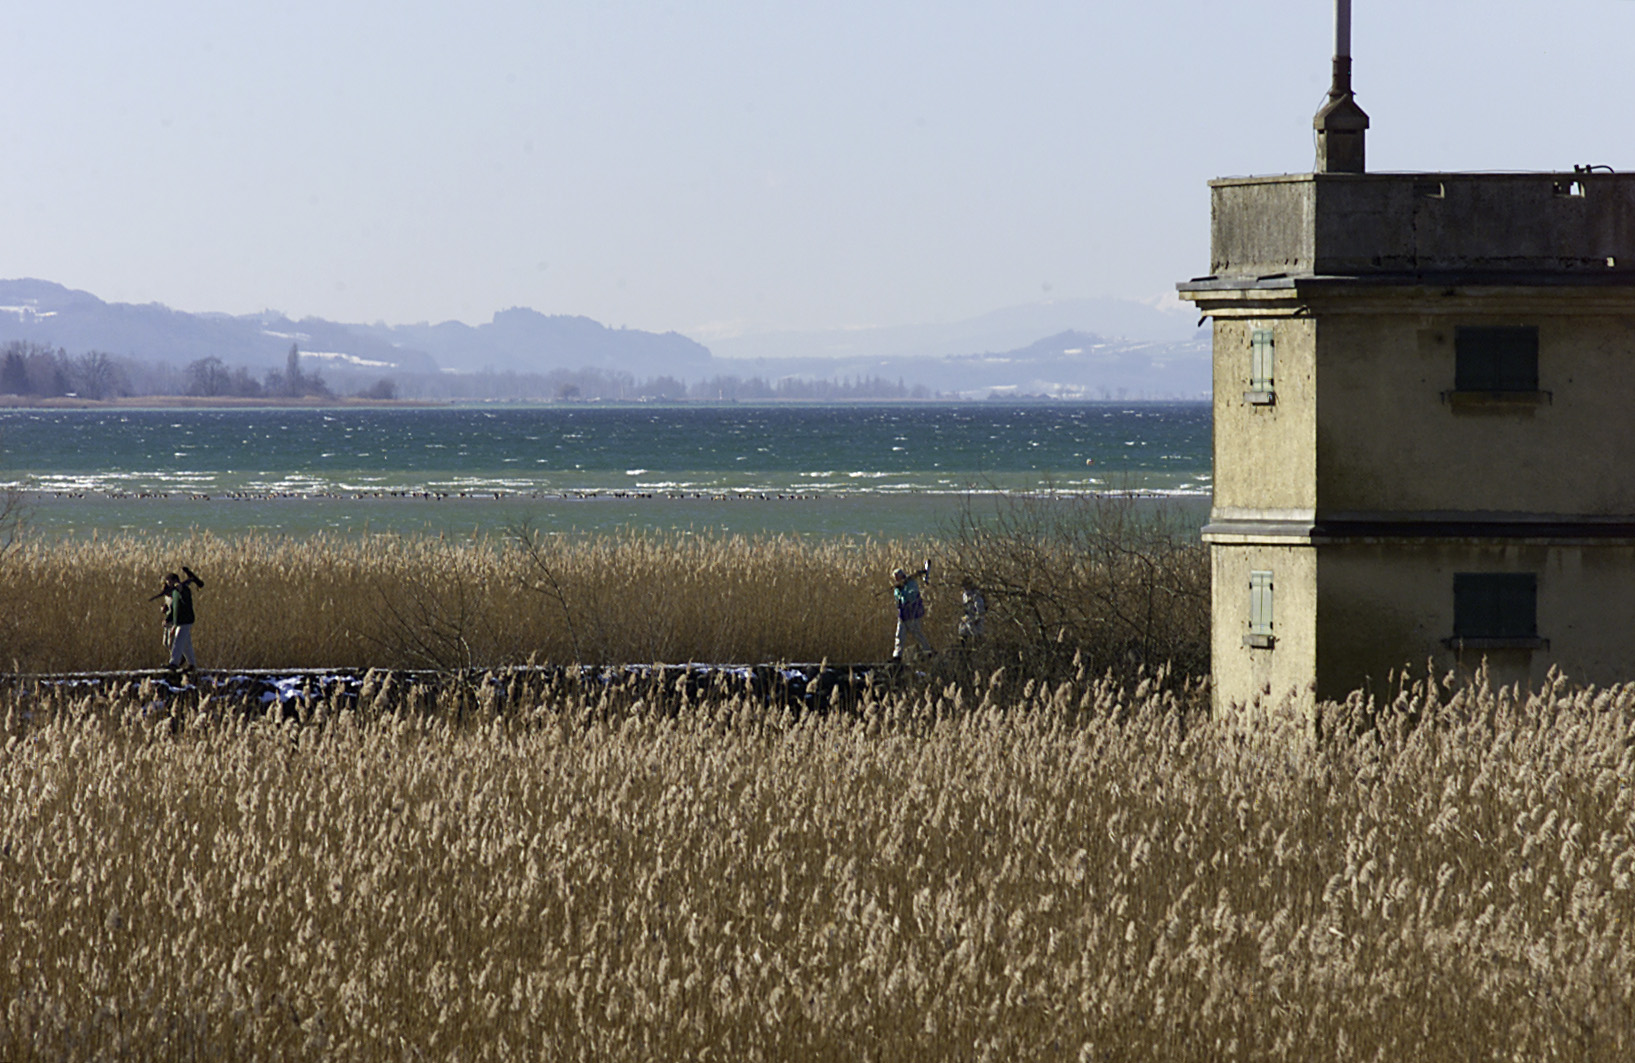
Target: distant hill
[(518, 341), (999, 330), (1080, 365), (1069, 365), (51, 315), (525, 341), (1109, 349)]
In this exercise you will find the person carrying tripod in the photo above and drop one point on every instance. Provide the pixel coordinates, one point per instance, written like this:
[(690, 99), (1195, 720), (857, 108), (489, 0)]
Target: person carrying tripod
[(178, 617), (905, 590)]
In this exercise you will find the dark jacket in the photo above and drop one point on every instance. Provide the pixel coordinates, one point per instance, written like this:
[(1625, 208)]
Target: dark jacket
[(181, 605)]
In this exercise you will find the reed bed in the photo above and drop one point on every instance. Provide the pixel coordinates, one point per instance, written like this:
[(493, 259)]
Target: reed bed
[(1080, 871), (1092, 580), (397, 602), (1088, 579)]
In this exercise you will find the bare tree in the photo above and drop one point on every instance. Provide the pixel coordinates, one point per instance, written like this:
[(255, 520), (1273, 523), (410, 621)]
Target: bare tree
[(1105, 582), (209, 377), (97, 375), (436, 623), (13, 372), (545, 580), (428, 627), (34, 369)]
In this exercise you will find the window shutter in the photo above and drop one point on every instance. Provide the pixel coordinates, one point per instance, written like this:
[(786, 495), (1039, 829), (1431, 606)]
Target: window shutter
[(1262, 359), (1260, 603)]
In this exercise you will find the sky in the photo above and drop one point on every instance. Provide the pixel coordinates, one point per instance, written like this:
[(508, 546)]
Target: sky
[(727, 167)]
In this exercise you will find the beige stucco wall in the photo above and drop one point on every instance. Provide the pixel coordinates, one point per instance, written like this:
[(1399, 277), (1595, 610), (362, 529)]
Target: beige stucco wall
[(1265, 456), (1389, 442), (1244, 675), (1389, 605)]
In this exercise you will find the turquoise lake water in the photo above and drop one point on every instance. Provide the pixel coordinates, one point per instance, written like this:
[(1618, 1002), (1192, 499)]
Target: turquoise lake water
[(820, 470)]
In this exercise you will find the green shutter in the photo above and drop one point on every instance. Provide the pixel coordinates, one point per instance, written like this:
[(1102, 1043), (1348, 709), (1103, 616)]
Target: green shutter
[(1262, 359), (1260, 603)]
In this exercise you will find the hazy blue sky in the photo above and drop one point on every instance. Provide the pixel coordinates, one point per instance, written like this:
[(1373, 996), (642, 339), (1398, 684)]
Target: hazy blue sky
[(720, 166)]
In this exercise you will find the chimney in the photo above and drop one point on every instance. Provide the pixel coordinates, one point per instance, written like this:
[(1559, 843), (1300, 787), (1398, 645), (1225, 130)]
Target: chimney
[(1341, 123)]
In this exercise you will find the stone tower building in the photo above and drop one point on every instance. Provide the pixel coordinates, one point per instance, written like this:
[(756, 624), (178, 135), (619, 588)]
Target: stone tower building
[(1424, 421)]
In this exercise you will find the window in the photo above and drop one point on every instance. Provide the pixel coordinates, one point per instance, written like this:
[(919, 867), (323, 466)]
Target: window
[(1496, 358), (1495, 610), (1260, 611), (1262, 359)]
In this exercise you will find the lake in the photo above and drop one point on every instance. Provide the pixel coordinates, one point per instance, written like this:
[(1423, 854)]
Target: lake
[(881, 470)]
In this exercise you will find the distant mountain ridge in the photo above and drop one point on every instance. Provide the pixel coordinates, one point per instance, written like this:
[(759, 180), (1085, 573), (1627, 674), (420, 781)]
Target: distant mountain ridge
[(1007, 329), (55, 316), (1154, 353), (526, 341), (1070, 365), (517, 340)]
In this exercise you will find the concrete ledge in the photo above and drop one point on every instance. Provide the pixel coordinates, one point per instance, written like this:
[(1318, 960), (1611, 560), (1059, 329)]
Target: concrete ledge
[(1368, 223), (1544, 532), (1432, 281)]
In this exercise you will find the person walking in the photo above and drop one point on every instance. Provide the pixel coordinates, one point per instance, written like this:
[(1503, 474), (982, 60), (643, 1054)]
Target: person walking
[(910, 611), (975, 612), (178, 609)]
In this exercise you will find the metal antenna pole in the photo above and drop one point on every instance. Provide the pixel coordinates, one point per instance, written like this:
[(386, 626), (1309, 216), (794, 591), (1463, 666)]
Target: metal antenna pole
[(1341, 123)]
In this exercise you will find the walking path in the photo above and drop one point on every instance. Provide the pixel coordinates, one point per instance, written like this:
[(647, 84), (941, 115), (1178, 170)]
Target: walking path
[(813, 687)]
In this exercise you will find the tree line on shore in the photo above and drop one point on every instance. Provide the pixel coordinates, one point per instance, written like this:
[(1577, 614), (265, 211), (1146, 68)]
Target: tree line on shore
[(37, 371)]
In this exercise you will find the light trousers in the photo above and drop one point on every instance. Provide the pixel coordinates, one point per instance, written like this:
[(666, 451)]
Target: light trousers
[(181, 645), (907, 628)]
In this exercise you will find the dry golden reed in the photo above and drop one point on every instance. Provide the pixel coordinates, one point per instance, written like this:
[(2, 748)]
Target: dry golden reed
[(1084, 871), (387, 601)]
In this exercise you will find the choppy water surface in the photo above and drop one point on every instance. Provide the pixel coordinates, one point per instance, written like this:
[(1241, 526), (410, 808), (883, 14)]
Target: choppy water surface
[(837, 468)]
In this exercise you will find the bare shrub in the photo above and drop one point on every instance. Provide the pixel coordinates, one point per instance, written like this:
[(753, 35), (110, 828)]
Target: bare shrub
[(1112, 583), (438, 618)]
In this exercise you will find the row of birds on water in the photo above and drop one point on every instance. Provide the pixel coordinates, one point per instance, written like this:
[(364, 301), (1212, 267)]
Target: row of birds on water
[(438, 496)]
